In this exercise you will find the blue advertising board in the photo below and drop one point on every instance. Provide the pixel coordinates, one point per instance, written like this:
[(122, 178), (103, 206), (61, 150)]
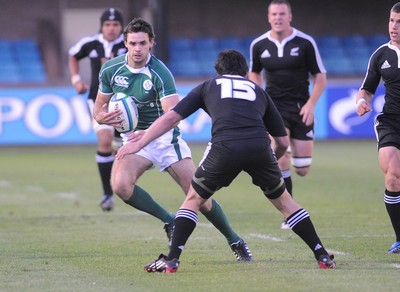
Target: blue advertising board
[(57, 115), (44, 116), (340, 111)]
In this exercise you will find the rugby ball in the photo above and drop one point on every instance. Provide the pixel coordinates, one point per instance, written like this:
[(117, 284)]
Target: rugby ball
[(129, 113)]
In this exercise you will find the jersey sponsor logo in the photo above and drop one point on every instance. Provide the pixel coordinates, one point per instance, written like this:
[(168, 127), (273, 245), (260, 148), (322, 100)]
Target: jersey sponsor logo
[(147, 84), (93, 54), (294, 52), (121, 81), (265, 54), (385, 65)]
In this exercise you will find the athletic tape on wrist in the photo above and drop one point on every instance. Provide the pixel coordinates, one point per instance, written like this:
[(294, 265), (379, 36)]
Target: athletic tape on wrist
[(360, 101), (75, 79)]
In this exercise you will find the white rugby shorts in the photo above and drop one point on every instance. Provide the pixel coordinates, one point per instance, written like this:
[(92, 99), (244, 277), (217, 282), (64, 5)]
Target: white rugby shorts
[(162, 152)]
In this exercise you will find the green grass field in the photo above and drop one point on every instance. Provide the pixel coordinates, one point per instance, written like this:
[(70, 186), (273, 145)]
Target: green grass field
[(54, 237)]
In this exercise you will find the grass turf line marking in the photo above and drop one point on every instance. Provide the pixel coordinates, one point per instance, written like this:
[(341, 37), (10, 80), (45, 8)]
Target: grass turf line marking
[(267, 237)]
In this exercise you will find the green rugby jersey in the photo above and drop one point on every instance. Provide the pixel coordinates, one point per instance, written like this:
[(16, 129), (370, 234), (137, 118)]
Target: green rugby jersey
[(147, 85)]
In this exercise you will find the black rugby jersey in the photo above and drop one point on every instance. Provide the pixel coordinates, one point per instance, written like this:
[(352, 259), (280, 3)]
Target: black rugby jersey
[(239, 109), (385, 63), (287, 65), (96, 48)]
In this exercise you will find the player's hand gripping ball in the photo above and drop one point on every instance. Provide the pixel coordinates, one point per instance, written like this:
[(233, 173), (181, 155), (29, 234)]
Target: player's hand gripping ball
[(129, 113)]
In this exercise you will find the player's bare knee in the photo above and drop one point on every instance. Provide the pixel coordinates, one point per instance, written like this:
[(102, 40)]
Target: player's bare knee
[(121, 190), (302, 171), (392, 182)]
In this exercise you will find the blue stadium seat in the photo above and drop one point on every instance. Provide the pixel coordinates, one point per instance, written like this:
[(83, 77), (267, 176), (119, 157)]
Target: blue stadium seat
[(6, 52), (246, 41), (332, 53), (9, 73), (33, 72), (339, 66), (182, 54), (234, 43), (202, 44), (360, 64), (26, 49), (185, 68), (180, 44), (354, 40), (328, 41), (375, 41), (21, 61)]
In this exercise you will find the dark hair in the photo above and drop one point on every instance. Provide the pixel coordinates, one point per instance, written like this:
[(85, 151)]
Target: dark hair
[(139, 25), (281, 2), (396, 8), (231, 62)]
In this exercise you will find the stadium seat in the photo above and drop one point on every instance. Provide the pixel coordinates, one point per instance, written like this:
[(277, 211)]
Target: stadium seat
[(247, 42), (26, 49), (33, 72), (339, 66), (180, 44), (207, 43), (354, 40), (375, 41), (21, 61), (6, 53), (230, 43), (182, 54), (328, 41), (360, 64), (332, 53), (9, 73), (185, 68)]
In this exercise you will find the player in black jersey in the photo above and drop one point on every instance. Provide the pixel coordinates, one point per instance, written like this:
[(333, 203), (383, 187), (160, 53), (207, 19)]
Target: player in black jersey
[(288, 57), (98, 48), (385, 64), (242, 116)]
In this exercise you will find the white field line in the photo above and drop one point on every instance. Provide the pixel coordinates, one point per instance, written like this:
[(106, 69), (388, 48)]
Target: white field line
[(5, 183), (267, 237)]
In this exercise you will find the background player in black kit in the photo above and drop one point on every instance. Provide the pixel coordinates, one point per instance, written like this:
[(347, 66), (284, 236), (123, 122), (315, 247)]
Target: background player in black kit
[(242, 116), (288, 57), (99, 48), (384, 64)]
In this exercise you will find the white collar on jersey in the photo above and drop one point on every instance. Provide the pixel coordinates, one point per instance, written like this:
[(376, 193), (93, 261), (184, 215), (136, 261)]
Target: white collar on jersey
[(285, 40), (229, 75), (144, 70)]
